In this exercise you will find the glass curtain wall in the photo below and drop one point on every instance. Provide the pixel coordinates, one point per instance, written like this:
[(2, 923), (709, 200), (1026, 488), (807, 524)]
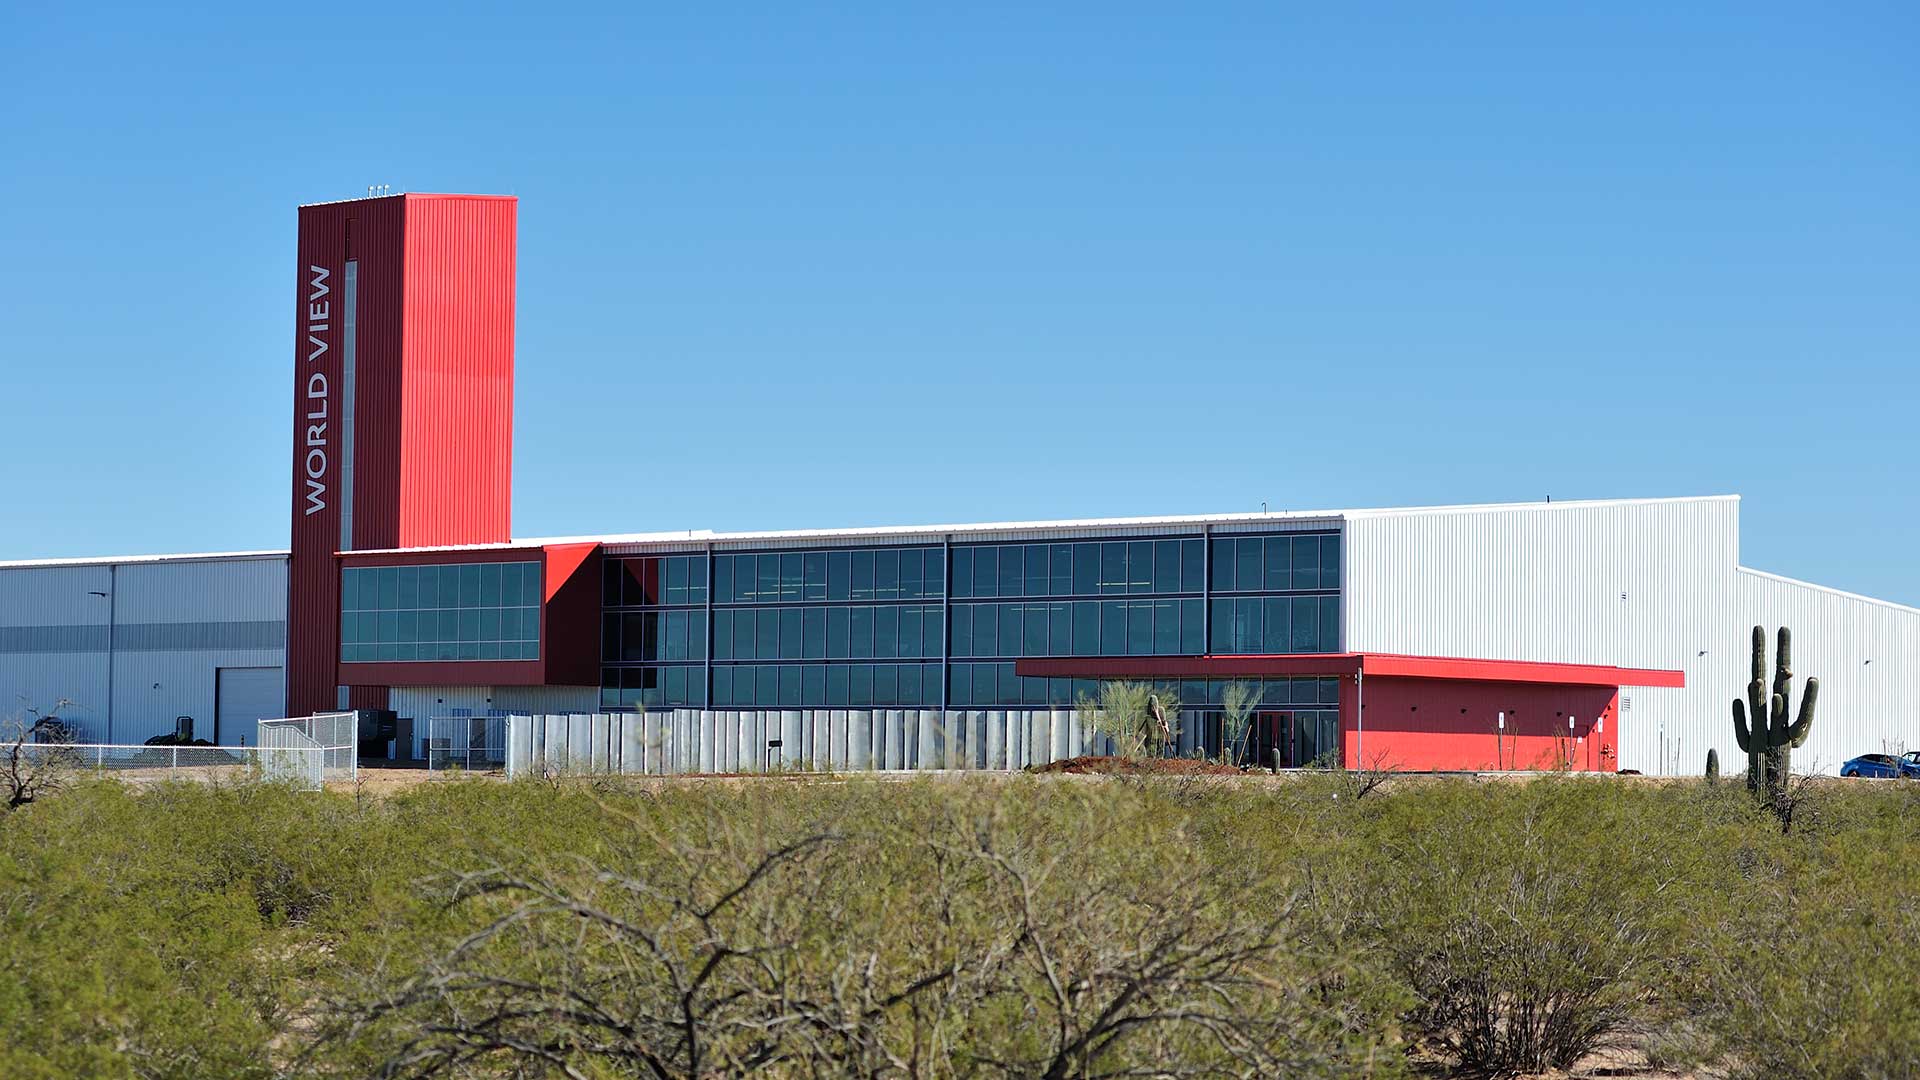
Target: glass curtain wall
[(881, 627), (457, 611)]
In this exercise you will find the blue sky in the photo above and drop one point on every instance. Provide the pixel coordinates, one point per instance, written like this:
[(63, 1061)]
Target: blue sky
[(864, 264)]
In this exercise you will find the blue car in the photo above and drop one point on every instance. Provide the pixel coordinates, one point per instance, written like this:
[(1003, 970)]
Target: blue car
[(1884, 765)]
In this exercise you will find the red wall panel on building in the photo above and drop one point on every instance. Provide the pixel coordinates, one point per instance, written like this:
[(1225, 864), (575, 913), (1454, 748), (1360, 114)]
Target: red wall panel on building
[(432, 398), (456, 425), (570, 633), (1422, 724)]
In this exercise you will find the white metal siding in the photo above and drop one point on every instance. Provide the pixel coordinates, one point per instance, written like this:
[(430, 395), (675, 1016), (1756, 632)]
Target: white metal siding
[(1635, 584), (423, 703), (1866, 654), (174, 623)]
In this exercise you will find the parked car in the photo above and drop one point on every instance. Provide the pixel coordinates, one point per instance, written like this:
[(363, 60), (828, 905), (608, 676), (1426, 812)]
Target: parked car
[(1884, 765)]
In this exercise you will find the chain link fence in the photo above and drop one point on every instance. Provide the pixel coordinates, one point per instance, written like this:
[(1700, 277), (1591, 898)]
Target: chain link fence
[(467, 743), (302, 766)]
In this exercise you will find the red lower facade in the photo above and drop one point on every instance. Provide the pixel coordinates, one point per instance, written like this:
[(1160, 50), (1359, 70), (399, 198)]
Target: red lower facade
[(1424, 713)]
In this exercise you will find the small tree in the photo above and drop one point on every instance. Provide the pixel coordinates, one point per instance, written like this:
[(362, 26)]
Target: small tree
[(32, 765), (1120, 712), (1237, 703)]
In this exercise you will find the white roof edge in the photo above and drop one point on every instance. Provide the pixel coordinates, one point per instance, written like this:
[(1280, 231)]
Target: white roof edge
[(876, 531), (879, 531), (1563, 504), (1829, 590), (128, 560)]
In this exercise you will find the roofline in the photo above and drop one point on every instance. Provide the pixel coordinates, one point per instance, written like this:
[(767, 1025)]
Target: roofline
[(132, 560), (1829, 590), (1549, 504), (876, 532), (1379, 665), (880, 532), (410, 195)]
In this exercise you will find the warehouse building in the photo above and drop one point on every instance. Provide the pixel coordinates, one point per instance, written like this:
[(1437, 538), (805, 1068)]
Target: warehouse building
[(1597, 635)]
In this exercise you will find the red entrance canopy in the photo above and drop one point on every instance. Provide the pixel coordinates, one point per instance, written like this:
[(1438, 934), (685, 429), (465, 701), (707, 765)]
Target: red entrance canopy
[(1380, 664)]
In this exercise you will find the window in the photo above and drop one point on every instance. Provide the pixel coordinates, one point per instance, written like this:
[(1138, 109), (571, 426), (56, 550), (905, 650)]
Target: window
[(461, 611), (839, 575), (861, 587), (913, 582), (1166, 566), (860, 632), (1140, 566), (766, 578), (963, 572), (790, 643), (1034, 580), (1061, 578), (1278, 563), (1113, 568), (1086, 569), (1306, 562), (1010, 578), (813, 633), (766, 643)]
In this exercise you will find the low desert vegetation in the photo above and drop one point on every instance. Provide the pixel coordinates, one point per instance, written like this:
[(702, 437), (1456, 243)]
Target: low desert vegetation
[(971, 927)]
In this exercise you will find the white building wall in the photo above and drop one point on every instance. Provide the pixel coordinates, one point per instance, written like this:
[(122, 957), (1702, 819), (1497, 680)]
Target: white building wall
[(1866, 654), (1643, 583), (176, 621), (423, 703)]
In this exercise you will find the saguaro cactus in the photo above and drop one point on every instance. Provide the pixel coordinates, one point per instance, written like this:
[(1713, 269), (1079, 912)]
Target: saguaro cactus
[(1769, 740)]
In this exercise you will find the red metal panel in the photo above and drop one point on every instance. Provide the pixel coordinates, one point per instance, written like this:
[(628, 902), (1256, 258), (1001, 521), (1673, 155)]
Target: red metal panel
[(445, 673), (1187, 667), (433, 397), (570, 626), (440, 556), (369, 231), (1421, 724), (1524, 671), (367, 697), (379, 244), (456, 427)]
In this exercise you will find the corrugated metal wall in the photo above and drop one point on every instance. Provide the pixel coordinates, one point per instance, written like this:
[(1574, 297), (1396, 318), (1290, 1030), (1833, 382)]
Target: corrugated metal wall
[(455, 460), (176, 623), (1866, 654), (1635, 584), (821, 740), (423, 703)]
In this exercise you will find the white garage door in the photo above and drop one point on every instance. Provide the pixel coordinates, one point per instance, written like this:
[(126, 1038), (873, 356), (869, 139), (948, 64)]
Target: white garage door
[(246, 694)]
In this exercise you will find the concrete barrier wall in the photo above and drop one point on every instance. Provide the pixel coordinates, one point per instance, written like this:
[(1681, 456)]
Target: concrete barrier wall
[(685, 741)]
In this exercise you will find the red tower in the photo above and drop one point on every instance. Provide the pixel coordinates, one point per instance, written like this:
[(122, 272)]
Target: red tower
[(402, 399)]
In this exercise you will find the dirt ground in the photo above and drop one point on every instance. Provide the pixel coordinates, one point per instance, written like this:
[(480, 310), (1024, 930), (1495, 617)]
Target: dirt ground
[(1121, 766)]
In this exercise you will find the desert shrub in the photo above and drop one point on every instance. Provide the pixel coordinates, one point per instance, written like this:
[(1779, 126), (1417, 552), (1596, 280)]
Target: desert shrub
[(129, 949), (1818, 978), (1530, 920), (1000, 928), (991, 927)]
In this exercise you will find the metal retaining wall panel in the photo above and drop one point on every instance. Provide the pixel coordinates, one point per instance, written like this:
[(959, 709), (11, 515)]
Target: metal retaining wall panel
[(602, 741), (633, 756), (789, 739)]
